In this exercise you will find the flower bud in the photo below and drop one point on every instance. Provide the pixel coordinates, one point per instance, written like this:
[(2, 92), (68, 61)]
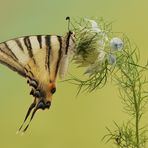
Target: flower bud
[(116, 44)]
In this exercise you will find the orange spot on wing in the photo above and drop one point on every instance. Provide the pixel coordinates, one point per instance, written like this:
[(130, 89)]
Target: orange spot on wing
[(51, 85)]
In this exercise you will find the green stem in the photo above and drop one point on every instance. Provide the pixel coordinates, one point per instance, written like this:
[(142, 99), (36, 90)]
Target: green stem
[(136, 106), (137, 116)]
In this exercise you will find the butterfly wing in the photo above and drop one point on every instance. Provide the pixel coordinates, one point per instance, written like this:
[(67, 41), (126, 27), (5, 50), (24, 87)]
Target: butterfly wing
[(16, 53), (8, 58), (38, 58)]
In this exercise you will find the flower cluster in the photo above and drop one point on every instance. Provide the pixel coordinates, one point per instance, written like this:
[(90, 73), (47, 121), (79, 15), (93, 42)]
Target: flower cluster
[(95, 46), (103, 54)]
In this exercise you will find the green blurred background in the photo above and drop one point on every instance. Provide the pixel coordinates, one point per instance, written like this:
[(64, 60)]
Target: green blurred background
[(72, 122)]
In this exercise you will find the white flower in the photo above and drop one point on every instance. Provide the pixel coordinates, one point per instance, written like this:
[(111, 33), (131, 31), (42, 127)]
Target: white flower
[(101, 43), (111, 59), (97, 65), (116, 44), (101, 55), (105, 36), (95, 26), (93, 68)]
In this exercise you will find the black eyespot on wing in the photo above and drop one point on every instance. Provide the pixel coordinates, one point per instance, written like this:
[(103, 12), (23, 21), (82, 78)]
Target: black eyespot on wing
[(32, 92), (34, 84), (53, 90), (37, 94)]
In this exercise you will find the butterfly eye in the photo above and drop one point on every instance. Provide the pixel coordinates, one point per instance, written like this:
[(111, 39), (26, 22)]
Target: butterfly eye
[(53, 90)]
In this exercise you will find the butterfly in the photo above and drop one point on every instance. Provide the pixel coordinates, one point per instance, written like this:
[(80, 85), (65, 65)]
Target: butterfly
[(39, 59)]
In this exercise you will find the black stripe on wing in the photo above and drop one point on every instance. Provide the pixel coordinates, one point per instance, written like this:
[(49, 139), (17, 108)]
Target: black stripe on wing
[(12, 55), (39, 38), (12, 67), (11, 63), (48, 47), (29, 47), (59, 54), (68, 41), (19, 44)]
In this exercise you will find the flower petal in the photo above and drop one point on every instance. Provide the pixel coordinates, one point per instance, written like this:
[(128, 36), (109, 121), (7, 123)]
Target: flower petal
[(101, 55), (111, 59)]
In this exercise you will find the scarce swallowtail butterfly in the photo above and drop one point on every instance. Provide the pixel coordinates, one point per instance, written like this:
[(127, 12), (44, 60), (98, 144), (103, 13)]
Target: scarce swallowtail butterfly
[(39, 59)]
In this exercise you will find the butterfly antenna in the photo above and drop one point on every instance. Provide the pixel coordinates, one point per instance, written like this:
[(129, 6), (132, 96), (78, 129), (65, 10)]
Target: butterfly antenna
[(68, 19)]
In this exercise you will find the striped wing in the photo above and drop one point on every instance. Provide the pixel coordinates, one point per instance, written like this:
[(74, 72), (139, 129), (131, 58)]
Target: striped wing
[(39, 59), (38, 54)]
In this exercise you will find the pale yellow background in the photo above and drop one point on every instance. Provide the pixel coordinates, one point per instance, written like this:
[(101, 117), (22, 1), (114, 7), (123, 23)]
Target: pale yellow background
[(72, 122)]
